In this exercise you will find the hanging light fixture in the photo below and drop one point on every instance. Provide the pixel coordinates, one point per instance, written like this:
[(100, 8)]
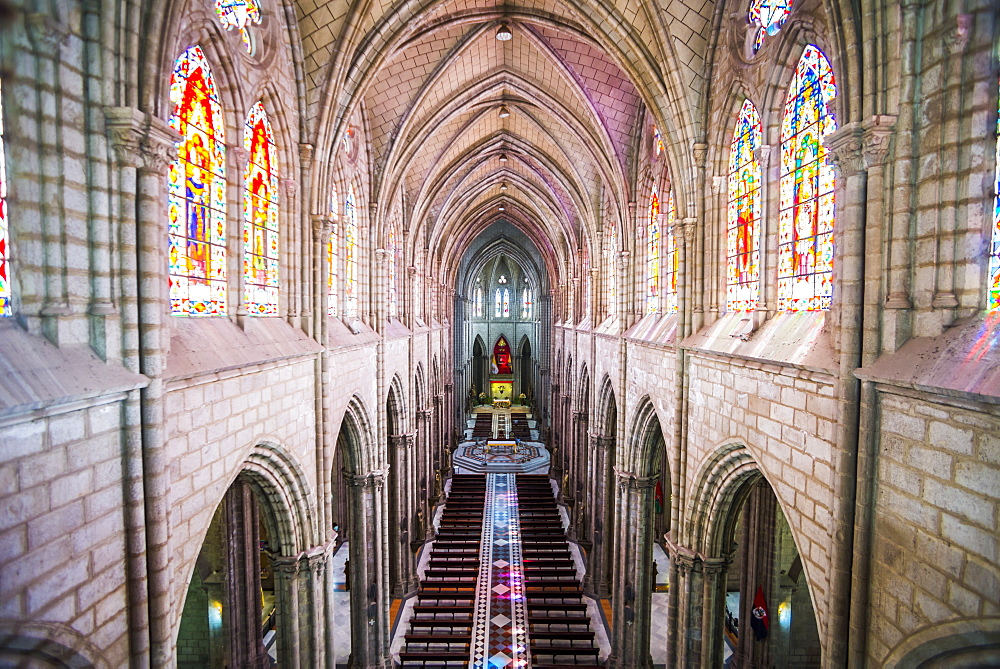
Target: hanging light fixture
[(504, 34), (503, 112)]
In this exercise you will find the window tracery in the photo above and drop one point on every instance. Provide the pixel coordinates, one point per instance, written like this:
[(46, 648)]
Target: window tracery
[(260, 212), (333, 257), (768, 16), (743, 229), (610, 264), (497, 305), (240, 14), (653, 254), (993, 299), (393, 293), (670, 256), (350, 255), (506, 303), (196, 191), (5, 288), (806, 210)]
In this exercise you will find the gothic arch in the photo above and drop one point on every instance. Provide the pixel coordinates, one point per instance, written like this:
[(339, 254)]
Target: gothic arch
[(647, 437), (606, 409), (395, 407), (419, 388), (956, 643), (280, 481), (722, 484), (47, 644), (358, 438)]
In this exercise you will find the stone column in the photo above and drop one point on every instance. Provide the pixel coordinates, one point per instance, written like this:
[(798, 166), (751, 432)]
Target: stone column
[(633, 585), (287, 576), (402, 579), (242, 613), (369, 592), (602, 523), (757, 544)]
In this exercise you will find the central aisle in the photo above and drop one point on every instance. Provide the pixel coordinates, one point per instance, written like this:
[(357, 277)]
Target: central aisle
[(499, 631)]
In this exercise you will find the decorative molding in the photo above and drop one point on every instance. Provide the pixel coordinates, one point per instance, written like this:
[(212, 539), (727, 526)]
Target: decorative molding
[(846, 147), (700, 152), (957, 39), (125, 127), (629, 481), (291, 187), (878, 131), (763, 155), (241, 156)]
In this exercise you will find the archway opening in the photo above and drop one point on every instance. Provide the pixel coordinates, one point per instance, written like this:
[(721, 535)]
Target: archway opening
[(232, 610), (767, 611)]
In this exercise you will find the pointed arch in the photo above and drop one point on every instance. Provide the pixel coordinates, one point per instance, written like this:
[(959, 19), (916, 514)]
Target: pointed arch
[(653, 253), (606, 416), (395, 406), (806, 203), (261, 224), (53, 644), (744, 212), (357, 438), (196, 191), (648, 442), (350, 253)]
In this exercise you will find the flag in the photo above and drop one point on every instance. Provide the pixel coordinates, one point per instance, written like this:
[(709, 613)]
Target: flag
[(758, 616), (658, 497)]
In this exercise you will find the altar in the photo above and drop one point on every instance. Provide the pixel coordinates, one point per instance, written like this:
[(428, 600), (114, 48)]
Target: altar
[(501, 404)]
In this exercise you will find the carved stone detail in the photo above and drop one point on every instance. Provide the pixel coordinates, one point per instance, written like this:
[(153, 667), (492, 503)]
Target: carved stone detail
[(846, 146), (877, 137)]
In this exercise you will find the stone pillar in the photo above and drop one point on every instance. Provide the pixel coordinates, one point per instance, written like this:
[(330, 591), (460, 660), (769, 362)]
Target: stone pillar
[(602, 522), (304, 631), (757, 544), (402, 572), (369, 591), (633, 581), (286, 576), (242, 613)]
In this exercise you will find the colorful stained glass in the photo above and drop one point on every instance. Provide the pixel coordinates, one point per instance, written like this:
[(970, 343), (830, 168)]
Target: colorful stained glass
[(657, 141), (478, 309), (260, 216), (993, 299), (653, 254), (506, 303), (239, 14), (670, 257), (333, 257), (196, 191), (611, 265), (393, 260), (586, 281), (526, 304), (806, 210), (5, 289), (743, 228), (769, 16), (497, 304), (350, 255)]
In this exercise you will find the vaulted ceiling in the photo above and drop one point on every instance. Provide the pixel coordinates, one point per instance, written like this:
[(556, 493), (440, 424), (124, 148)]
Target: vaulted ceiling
[(428, 80)]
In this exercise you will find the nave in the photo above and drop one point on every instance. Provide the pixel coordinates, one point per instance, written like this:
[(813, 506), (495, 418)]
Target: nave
[(501, 587)]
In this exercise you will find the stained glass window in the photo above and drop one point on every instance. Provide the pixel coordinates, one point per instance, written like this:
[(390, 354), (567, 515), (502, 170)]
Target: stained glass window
[(350, 255), (611, 265), (497, 305), (506, 302), (5, 291), (743, 228), (196, 191), (526, 304), (993, 301), (805, 223), (586, 281), (393, 294), (768, 16), (670, 256), (239, 14), (657, 141), (260, 216), (333, 257), (479, 303), (653, 254)]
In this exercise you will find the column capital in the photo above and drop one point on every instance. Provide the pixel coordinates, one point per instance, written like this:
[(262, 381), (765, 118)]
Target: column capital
[(449, 387), (846, 146), (403, 441), (687, 228), (700, 152), (291, 187), (322, 227), (306, 152), (763, 155), (957, 38), (373, 479), (242, 156), (629, 481), (878, 131)]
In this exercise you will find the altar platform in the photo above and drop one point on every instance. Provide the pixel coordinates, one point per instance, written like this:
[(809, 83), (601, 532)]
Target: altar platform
[(491, 456)]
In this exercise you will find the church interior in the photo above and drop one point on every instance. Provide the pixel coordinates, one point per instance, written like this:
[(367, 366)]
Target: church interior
[(506, 333)]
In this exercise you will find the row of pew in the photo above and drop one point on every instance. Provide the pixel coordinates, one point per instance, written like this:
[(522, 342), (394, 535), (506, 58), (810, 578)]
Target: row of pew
[(559, 629), (440, 633)]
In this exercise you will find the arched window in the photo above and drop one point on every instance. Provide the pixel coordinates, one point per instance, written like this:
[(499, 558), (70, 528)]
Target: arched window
[(526, 304), (768, 16), (670, 256), (805, 223), (506, 303), (657, 141), (611, 264), (743, 228), (653, 254), (993, 300), (586, 281), (260, 216), (497, 305), (196, 191), (393, 293), (350, 255), (5, 291), (333, 257), (239, 14), (478, 308)]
